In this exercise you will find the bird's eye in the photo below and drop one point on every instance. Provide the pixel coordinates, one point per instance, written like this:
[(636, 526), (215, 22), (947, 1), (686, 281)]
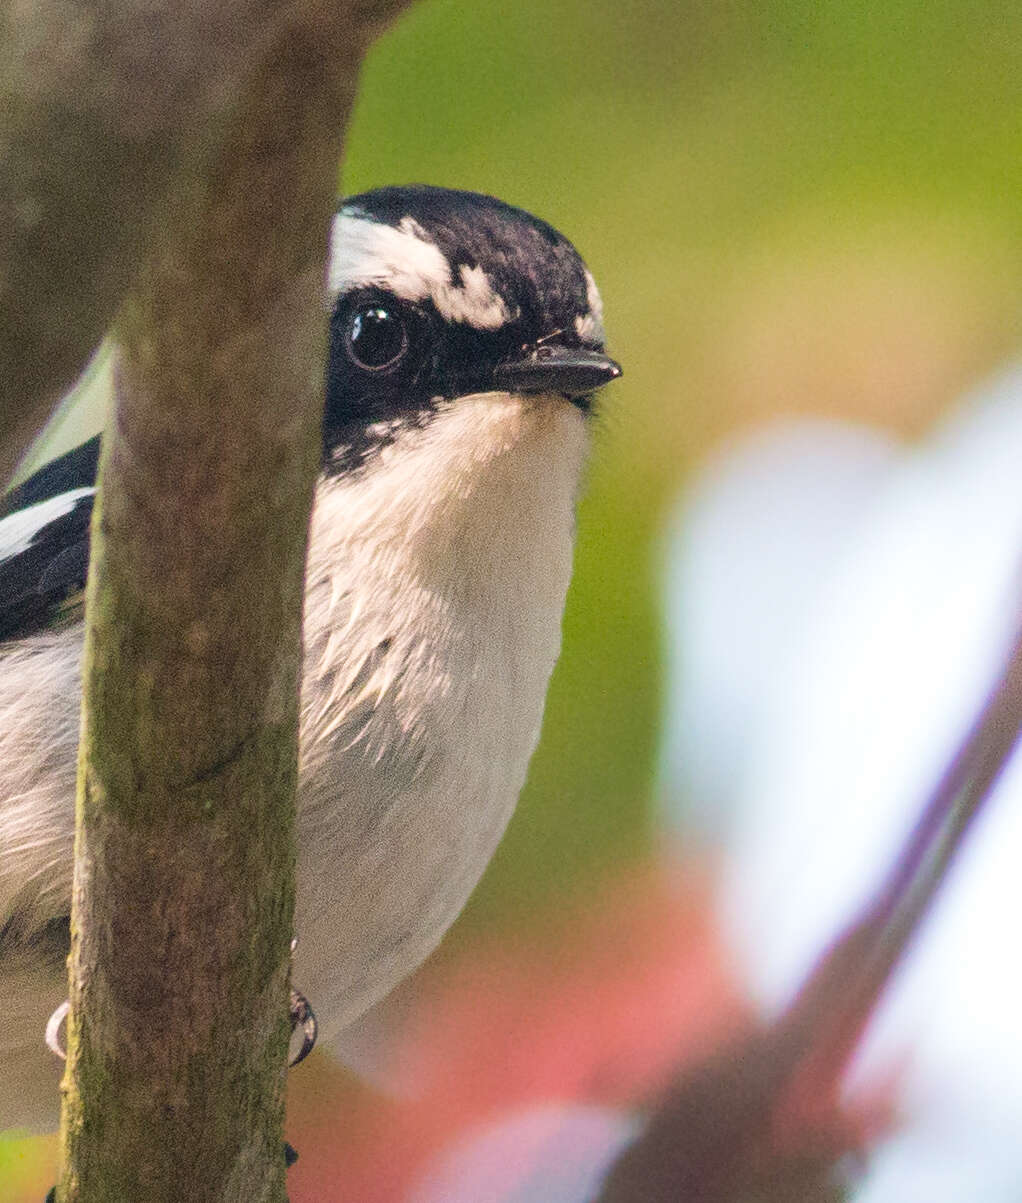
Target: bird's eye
[(376, 338)]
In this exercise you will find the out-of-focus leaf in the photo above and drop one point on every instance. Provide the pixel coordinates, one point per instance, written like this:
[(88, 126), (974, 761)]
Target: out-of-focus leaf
[(595, 1007)]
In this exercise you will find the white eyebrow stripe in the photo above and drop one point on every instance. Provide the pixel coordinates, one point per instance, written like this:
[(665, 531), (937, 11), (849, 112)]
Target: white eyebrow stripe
[(368, 254), (18, 530), (365, 253)]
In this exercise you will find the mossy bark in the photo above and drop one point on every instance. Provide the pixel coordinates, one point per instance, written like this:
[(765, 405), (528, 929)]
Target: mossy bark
[(184, 865), (99, 104), (99, 101)]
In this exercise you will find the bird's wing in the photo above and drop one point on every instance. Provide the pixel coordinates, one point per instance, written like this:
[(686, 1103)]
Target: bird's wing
[(44, 543)]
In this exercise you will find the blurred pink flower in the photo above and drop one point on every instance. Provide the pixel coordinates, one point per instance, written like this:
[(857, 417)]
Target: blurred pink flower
[(597, 1010)]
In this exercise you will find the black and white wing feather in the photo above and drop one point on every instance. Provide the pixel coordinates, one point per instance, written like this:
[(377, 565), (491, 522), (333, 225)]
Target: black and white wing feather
[(44, 543)]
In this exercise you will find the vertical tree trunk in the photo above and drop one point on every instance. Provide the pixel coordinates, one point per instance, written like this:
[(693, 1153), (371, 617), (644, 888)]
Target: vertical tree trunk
[(184, 873)]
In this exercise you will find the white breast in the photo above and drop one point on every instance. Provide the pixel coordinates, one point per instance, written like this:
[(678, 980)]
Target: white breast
[(433, 611), (435, 590)]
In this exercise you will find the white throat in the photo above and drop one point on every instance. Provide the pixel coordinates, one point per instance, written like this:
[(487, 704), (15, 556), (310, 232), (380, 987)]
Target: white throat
[(436, 586)]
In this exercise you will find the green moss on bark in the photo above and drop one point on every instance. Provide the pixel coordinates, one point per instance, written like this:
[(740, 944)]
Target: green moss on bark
[(184, 871)]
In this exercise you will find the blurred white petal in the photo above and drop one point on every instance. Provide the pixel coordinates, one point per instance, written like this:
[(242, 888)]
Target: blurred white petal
[(749, 558), (841, 736), (543, 1154)]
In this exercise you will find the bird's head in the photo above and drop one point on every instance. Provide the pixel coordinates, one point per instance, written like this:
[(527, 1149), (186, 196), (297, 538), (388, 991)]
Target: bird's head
[(439, 295)]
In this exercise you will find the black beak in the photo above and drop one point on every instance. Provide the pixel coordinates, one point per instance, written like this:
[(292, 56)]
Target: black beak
[(570, 371)]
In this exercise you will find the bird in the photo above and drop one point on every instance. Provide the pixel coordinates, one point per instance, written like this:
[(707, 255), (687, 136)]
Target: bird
[(465, 350)]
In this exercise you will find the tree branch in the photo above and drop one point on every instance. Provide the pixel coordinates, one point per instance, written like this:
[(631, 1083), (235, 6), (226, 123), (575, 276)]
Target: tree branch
[(101, 104), (184, 873)]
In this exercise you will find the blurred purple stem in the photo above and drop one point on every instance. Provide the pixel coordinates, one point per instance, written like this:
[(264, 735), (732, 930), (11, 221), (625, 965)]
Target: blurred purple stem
[(710, 1139), (834, 1004)]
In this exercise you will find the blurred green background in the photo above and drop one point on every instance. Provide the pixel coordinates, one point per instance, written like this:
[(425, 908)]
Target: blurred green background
[(789, 207)]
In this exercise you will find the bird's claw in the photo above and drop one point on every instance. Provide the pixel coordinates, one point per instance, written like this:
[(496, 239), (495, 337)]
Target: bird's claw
[(53, 1026), (303, 1016)]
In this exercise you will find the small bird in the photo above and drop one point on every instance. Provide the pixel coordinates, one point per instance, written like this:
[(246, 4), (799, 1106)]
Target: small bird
[(465, 346)]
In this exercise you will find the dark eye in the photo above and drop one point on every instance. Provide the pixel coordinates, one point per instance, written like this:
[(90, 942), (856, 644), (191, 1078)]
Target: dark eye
[(376, 338)]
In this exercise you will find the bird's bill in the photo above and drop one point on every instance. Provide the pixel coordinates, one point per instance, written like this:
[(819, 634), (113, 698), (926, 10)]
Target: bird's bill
[(571, 371)]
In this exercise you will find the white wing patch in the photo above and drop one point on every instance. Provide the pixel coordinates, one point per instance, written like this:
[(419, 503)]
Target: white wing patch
[(403, 260), (18, 530)]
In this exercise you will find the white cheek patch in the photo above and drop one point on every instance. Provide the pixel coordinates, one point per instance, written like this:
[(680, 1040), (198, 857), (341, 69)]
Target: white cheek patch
[(402, 259), (589, 326), (18, 530), (474, 302)]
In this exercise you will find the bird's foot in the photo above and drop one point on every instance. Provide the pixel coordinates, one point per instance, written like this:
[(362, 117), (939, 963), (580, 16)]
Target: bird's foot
[(53, 1026), (302, 1016)]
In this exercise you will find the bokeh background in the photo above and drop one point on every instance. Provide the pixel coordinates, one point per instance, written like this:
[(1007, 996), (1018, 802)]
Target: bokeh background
[(792, 209)]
